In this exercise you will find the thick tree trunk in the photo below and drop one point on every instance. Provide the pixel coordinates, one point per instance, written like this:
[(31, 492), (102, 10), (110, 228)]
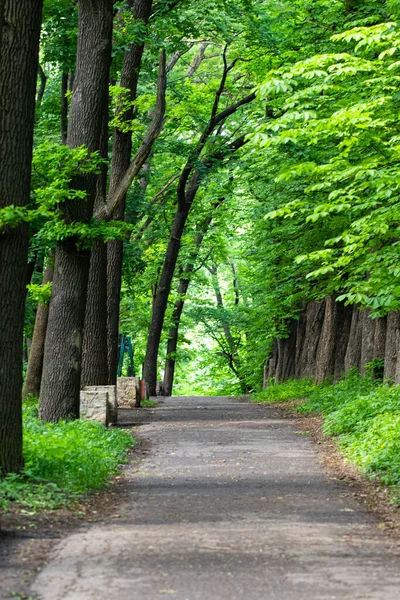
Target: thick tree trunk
[(94, 350), (392, 347), (286, 363), (35, 364), (353, 353), (325, 361), (367, 339), (344, 316), (300, 339), (314, 318), (19, 46), (379, 345), (63, 348), (121, 156)]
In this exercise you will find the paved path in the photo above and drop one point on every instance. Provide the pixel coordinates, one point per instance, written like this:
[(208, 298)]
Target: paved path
[(230, 504)]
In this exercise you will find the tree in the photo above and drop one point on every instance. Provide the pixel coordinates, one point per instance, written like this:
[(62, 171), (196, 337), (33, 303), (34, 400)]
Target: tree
[(63, 348), (19, 45)]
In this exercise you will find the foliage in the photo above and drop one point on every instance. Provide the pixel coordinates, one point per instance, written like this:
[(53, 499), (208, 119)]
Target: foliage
[(63, 461)]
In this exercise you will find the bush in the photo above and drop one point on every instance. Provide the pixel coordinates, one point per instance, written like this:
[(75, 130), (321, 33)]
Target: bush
[(63, 460)]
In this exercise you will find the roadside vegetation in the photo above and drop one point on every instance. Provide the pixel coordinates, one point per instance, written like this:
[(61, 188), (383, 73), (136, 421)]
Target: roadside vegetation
[(361, 413), (63, 461)]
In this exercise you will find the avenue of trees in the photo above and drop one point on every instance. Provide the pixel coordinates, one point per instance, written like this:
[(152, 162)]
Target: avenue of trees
[(218, 180)]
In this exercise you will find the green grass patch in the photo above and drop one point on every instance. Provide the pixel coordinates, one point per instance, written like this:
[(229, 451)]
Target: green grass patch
[(149, 403), (289, 390), (363, 414), (63, 461)]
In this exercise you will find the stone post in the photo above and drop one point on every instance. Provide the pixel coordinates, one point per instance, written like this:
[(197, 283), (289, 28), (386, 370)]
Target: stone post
[(127, 391), (95, 406)]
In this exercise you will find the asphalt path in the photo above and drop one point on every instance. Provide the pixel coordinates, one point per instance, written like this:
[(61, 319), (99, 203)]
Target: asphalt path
[(230, 503)]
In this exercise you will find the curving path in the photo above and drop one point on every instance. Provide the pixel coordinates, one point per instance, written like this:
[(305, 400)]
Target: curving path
[(229, 504)]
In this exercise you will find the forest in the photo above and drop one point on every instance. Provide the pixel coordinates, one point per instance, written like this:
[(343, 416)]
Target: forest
[(217, 181)]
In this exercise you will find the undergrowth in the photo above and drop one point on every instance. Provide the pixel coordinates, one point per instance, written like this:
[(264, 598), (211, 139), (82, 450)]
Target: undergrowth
[(63, 461), (362, 413)]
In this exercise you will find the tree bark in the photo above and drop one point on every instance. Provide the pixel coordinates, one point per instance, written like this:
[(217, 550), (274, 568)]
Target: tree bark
[(63, 348), (19, 47), (286, 360), (325, 360), (300, 339), (64, 107), (343, 326), (353, 353), (368, 327), (173, 334), (35, 364), (392, 347), (314, 318), (94, 350), (161, 298), (121, 156), (273, 361)]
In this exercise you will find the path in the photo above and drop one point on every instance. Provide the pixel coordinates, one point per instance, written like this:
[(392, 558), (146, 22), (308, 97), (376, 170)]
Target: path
[(230, 504)]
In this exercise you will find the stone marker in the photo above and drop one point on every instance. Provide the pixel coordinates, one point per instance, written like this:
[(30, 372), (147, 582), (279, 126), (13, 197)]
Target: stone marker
[(95, 406), (112, 399), (127, 391)]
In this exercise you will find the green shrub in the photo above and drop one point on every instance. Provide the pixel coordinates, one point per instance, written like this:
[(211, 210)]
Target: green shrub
[(377, 449), (63, 460)]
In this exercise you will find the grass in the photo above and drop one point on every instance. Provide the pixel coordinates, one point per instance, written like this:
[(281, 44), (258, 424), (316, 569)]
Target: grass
[(63, 461), (364, 415)]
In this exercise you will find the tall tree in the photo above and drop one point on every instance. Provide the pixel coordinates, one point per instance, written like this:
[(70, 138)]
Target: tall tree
[(188, 186), (122, 149), (20, 22), (63, 348)]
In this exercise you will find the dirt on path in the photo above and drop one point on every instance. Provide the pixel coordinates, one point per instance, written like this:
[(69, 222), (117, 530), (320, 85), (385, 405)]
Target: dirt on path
[(231, 503)]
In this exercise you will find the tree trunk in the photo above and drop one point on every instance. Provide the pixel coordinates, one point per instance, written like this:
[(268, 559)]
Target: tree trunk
[(35, 364), (19, 46), (63, 348), (353, 353), (179, 304), (325, 361), (379, 345), (161, 298), (286, 364), (314, 319), (94, 350), (121, 156), (368, 327), (173, 337), (64, 107), (392, 348), (300, 339), (344, 316), (273, 361)]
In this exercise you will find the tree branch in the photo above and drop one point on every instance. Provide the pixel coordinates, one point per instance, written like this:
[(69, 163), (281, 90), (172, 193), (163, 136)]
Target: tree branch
[(144, 150)]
